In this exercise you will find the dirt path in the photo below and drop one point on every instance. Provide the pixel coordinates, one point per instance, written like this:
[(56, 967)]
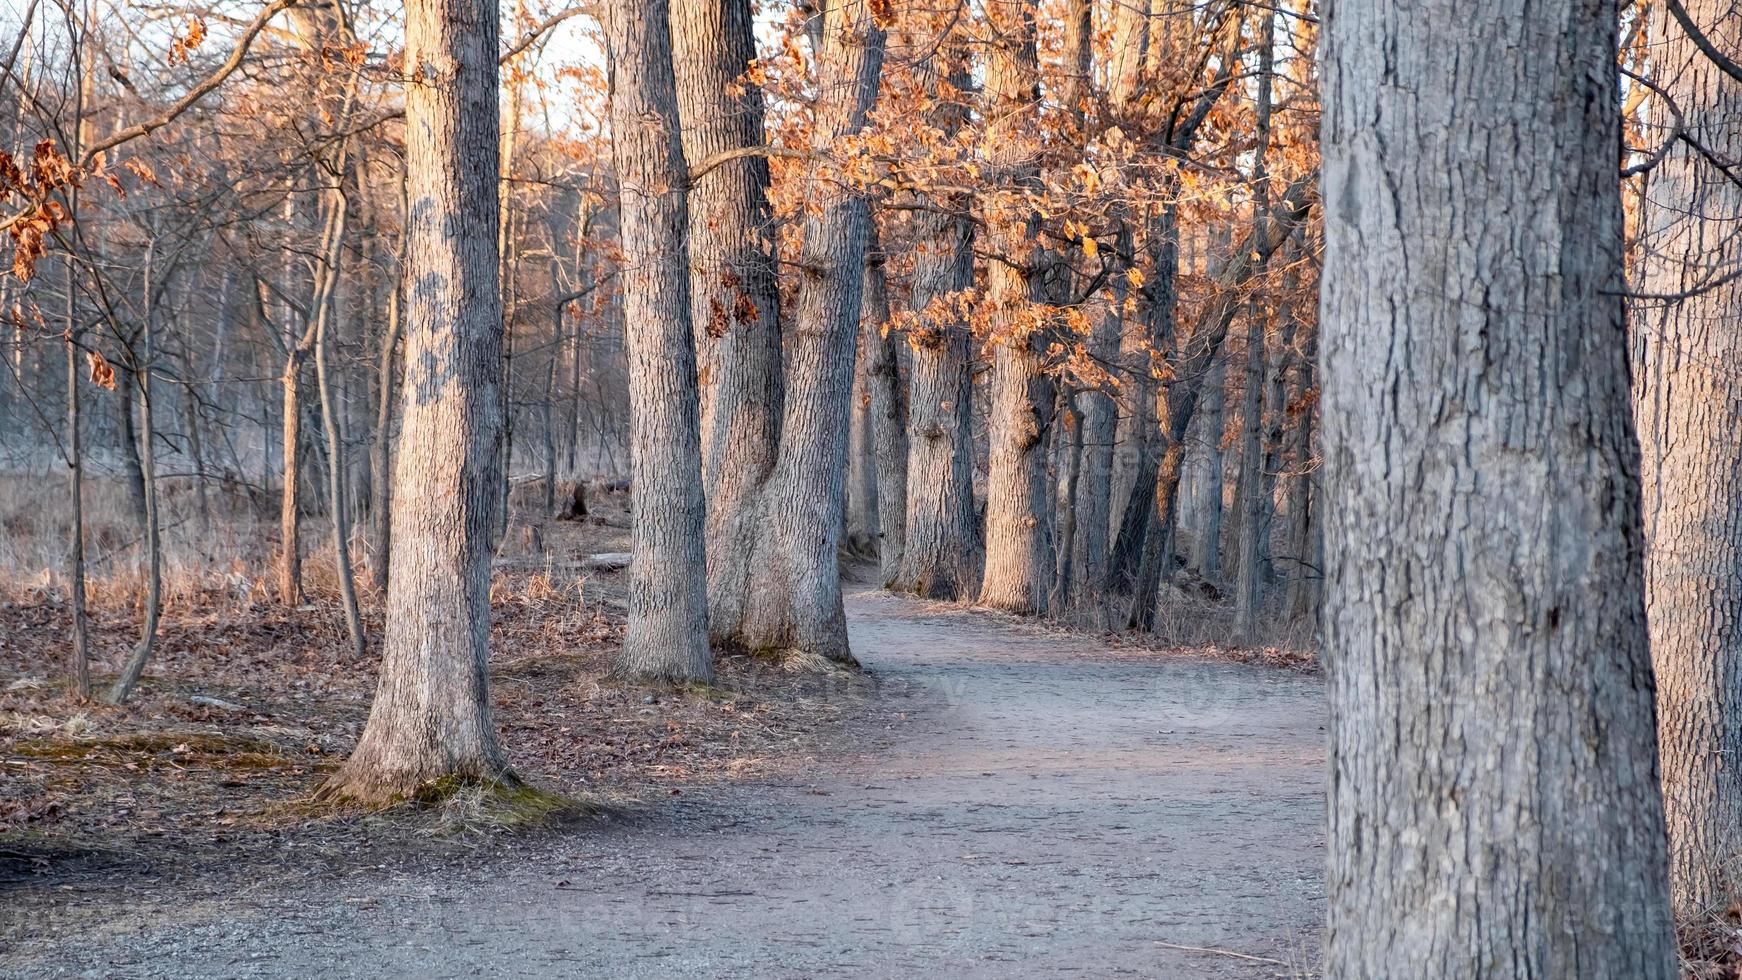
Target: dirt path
[(1046, 807)]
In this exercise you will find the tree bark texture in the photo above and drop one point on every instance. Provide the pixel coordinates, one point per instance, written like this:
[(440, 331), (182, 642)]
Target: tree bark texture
[(886, 410), (1689, 410), (1494, 805), (734, 302), (431, 717), (791, 599), (667, 637), (940, 557)]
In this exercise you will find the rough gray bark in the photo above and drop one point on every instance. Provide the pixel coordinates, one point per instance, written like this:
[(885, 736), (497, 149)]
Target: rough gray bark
[(667, 638), (791, 603), (1493, 795), (431, 717), (1689, 407), (734, 302), (886, 411), (940, 559), (1019, 561)]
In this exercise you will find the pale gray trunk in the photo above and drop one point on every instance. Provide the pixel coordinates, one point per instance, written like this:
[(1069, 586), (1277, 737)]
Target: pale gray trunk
[(734, 302), (431, 717), (791, 604), (1493, 794), (381, 450), (1689, 407), (667, 638)]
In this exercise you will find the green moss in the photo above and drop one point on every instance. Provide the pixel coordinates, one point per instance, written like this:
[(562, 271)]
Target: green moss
[(147, 748), (464, 805)]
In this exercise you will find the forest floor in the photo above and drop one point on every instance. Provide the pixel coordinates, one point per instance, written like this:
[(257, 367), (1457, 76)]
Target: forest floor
[(992, 798)]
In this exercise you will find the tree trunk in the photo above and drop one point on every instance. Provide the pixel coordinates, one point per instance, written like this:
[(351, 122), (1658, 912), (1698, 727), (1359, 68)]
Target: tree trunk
[(337, 505), (1689, 406), (1254, 496), (792, 599), (667, 638), (861, 526), (147, 644), (431, 717), (1019, 563), (734, 302), (381, 450), (888, 427), (1069, 439), (1494, 803), (290, 496), (939, 559)]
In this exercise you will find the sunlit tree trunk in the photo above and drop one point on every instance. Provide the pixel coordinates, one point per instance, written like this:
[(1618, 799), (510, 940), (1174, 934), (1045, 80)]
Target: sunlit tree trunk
[(940, 555), (1494, 804), (1689, 408), (734, 302), (1019, 561), (431, 717), (791, 605), (667, 638)]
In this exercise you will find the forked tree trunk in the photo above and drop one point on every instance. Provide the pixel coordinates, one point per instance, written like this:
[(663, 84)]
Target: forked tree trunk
[(792, 600), (431, 717), (1494, 804), (1689, 406), (734, 302), (1019, 563), (667, 638)]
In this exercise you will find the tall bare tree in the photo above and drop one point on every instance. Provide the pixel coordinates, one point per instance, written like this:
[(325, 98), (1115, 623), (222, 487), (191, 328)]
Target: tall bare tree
[(1019, 558), (940, 553)]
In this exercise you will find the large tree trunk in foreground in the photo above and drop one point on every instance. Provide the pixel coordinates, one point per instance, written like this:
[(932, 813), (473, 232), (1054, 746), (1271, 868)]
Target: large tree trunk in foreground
[(1494, 807), (1019, 562), (791, 603), (667, 638), (431, 717), (1689, 410), (734, 303)]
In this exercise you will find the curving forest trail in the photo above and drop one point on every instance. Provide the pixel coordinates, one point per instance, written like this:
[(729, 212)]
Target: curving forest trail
[(1041, 806)]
